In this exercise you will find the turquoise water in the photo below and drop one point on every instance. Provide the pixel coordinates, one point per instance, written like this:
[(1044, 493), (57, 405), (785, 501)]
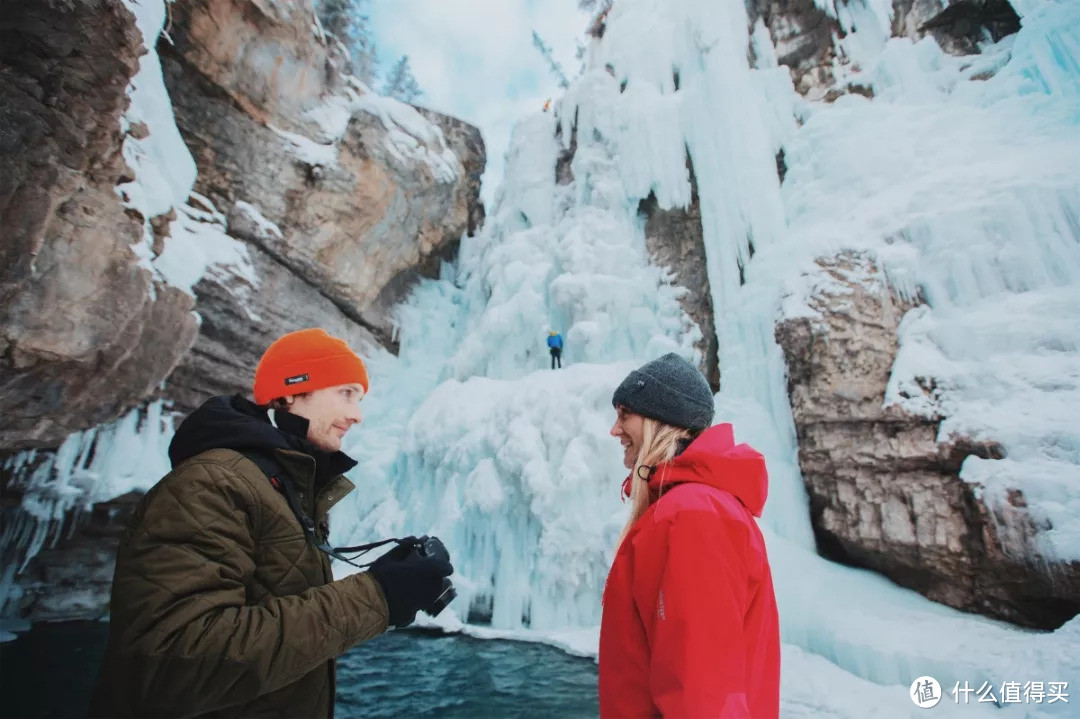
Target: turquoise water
[(405, 674), (50, 672)]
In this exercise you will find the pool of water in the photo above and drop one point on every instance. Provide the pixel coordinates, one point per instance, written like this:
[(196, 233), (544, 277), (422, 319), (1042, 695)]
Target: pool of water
[(50, 671), (408, 674)]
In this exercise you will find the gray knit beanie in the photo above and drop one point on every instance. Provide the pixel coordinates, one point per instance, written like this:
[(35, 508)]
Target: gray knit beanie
[(669, 389)]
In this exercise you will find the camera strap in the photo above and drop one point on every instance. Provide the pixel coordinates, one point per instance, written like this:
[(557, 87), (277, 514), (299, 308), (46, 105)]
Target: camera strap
[(289, 491), (271, 469)]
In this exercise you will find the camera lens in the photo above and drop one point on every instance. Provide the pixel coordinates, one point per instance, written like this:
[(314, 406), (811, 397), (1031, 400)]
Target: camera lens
[(447, 596)]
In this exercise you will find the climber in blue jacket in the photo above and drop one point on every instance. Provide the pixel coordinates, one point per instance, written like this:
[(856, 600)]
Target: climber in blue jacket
[(554, 341)]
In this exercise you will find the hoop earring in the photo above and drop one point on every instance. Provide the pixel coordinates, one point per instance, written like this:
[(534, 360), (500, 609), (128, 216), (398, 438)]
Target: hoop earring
[(648, 473)]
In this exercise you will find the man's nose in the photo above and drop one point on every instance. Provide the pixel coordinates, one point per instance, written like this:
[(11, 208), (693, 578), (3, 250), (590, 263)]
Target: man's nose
[(615, 430), (354, 415)]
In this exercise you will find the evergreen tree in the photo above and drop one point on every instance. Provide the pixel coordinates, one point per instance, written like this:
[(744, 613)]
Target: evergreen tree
[(400, 82), (348, 21), (553, 64)]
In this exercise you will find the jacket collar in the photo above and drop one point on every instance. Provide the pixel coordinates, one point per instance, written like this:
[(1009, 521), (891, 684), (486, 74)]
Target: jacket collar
[(238, 424), (317, 497), (714, 459)]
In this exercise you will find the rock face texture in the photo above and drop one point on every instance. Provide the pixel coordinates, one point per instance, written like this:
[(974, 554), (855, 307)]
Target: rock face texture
[(802, 35), (261, 55), (338, 225), (85, 331), (237, 326), (356, 217), (884, 493), (910, 15), (805, 37), (465, 217), (467, 143), (675, 240), (964, 24)]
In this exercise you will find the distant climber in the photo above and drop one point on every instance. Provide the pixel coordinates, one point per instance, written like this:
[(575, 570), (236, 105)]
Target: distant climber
[(554, 341), (547, 105), (599, 23)]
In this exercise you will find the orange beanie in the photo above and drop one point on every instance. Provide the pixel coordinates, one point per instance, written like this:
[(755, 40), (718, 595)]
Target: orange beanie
[(304, 361)]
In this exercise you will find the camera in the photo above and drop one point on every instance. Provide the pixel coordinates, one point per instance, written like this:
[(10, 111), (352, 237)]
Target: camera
[(433, 547)]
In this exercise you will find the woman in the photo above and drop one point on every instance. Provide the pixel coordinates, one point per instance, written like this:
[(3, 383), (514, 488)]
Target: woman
[(689, 627)]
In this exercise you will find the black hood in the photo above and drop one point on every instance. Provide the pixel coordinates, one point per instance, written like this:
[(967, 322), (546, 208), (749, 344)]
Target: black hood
[(239, 424)]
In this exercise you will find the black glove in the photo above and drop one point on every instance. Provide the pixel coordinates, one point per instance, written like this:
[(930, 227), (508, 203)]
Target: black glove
[(410, 583)]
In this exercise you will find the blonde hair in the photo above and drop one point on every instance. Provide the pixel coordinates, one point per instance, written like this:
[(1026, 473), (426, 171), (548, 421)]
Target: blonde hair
[(659, 443)]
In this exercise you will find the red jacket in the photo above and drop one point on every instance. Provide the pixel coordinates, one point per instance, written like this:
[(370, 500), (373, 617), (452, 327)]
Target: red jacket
[(690, 627)]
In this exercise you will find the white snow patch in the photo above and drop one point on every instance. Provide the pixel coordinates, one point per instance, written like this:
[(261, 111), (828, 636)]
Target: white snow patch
[(411, 137), (263, 227), (199, 245), (309, 151), (164, 169)]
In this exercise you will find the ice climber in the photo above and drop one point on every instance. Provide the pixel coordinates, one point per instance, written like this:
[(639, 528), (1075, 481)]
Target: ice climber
[(554, 343), (689, 626), (221, 605)]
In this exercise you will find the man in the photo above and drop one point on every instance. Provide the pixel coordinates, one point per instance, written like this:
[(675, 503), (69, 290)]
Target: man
[(221, 604), (554, 343)]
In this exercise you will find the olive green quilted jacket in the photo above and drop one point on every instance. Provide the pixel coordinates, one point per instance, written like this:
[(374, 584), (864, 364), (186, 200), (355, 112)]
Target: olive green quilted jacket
[(221, 606)]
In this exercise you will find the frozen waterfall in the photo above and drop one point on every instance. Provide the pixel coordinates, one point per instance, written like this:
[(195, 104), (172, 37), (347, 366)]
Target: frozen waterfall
[(959, 178)]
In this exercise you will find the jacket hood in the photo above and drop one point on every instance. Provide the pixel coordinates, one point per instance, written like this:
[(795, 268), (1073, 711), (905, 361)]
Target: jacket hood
[(714, 459), (239, 424)]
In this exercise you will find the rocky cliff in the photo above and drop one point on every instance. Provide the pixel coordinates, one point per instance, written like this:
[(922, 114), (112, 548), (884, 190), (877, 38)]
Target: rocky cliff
[(885, 491), (316, 203), (675, 239), (340, 198), (884, 485), (86, 330), (804, 35)]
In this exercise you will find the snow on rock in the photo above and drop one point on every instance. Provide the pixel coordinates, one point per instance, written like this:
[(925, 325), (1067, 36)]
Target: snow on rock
[(165, 175), (410, 138), (307, 150), (978, 221), (260, 227), (164, 169), (198, 244)]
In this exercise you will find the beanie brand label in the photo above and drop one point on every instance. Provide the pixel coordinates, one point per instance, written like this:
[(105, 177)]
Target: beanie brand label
[(296, 380)]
